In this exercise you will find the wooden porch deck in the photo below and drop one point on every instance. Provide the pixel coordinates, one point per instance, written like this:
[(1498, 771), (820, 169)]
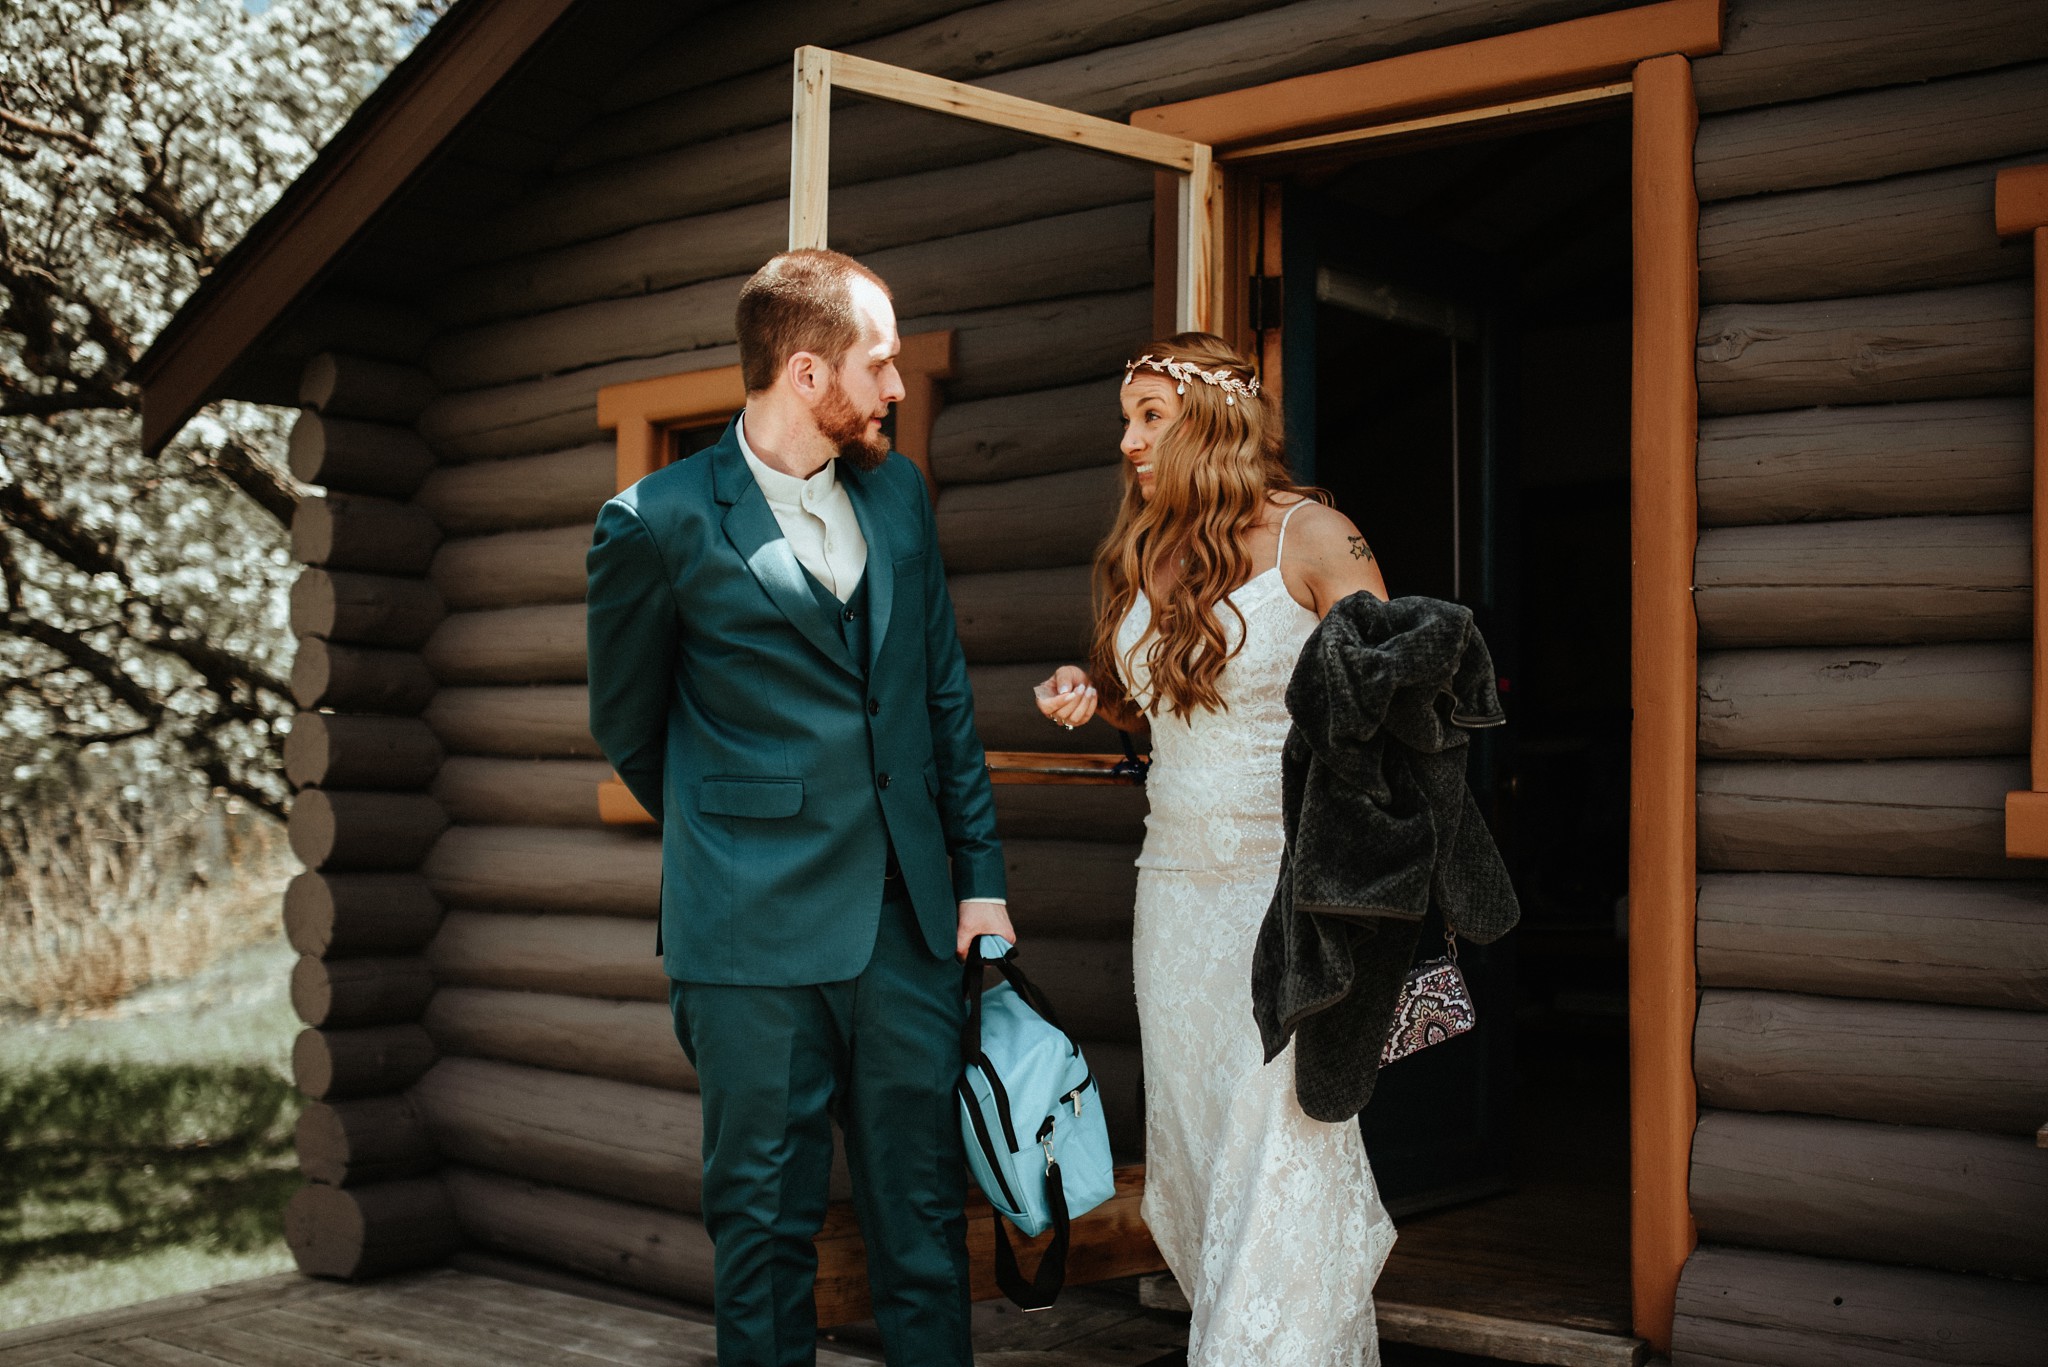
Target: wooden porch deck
[(451, 1318), (447, 1317)]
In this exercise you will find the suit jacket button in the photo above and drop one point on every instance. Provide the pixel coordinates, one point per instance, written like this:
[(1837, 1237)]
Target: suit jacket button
[(881, 780), (874, 707)]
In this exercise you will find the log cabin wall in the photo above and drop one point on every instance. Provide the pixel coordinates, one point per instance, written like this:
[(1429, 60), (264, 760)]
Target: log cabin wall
[(561, 1108), (361, 759), (1872, 1043)]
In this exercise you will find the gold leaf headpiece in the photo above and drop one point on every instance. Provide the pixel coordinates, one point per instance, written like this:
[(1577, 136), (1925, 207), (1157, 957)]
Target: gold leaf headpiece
[(1183, 371)]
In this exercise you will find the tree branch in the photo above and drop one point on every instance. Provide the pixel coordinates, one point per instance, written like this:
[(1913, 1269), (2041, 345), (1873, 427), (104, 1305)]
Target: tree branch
[(16, 402), (50, 131), (238, 465), (97, 664), (58, 534)]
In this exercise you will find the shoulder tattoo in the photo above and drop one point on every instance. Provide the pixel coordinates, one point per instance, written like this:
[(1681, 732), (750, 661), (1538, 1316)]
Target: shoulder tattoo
[(1359, 550)]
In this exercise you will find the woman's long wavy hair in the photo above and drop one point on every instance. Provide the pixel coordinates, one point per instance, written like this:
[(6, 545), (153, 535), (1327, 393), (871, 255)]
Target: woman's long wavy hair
[(1213, 470)]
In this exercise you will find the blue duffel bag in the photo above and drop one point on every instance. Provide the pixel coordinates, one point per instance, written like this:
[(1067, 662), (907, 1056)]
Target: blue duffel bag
[(1031, 1115)]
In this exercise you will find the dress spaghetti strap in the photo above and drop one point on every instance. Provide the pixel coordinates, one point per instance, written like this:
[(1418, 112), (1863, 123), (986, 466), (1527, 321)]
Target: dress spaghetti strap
[(1280, 549)]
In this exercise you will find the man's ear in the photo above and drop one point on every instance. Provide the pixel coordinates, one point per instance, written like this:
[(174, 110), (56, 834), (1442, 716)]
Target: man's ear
[(806, 372)]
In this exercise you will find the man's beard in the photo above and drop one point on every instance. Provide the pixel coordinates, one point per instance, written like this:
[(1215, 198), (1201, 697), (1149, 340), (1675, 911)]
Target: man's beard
[(840, 423)]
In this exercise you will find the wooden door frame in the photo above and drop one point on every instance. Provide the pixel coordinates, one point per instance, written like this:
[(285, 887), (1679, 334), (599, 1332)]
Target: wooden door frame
[(2020, 210), (1648, 50)]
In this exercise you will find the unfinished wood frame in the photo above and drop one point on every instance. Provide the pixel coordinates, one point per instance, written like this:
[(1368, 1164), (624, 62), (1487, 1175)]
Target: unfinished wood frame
[(2021, 210), (1429, 93), (821, 72)]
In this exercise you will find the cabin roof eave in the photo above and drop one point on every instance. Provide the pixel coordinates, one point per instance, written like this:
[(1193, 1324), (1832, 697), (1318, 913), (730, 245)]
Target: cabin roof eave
[(383, 146)]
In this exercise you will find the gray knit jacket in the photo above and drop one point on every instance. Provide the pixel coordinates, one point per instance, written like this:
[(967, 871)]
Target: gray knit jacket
[(1380, 823)]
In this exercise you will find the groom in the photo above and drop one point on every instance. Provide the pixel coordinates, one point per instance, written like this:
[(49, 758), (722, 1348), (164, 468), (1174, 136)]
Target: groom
[(775, 674)]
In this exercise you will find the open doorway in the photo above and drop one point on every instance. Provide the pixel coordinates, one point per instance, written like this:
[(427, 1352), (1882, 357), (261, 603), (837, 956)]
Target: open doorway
[(1453, 333)]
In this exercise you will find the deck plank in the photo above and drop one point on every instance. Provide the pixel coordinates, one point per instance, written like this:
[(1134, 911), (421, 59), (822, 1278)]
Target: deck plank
[(143, 1351), (19, 1347), (231, 1343), (477, 1338), (555, 1320), (401, 1338), (357, 1343), (632, 1323)]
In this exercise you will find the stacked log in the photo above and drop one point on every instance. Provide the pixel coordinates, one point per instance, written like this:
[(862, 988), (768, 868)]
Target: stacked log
[(1875, 1192), (1873, 1026), (360, 758), (1846, 702), (1828, 464), (1970, 342), (1093, 250), (1775, 52), (625, 1040), (1982, 944), (1962, 1068), (1005, 350), (1744, 1306), (1910, 817)]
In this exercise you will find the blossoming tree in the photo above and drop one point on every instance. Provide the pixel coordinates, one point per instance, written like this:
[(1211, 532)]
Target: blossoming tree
[(142, 602)]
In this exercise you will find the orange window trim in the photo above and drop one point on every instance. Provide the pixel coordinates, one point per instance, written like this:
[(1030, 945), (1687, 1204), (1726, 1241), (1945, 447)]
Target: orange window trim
[(2021, 210), (641, 414), (1649, 46)]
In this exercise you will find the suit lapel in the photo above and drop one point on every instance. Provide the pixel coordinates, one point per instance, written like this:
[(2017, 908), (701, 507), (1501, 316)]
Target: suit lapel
[(881, 567), (751, 527)]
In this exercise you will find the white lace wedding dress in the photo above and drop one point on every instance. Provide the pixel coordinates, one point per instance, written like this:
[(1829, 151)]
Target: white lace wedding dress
[(1270, 1221)]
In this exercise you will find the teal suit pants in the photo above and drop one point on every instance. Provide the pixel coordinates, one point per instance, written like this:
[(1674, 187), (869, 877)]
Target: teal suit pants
[(880, 1054)]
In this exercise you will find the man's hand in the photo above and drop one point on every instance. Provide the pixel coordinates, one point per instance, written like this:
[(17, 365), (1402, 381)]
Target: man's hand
[(981, 918)]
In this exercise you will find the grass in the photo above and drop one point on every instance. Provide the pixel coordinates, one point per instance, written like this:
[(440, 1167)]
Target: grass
[(146, 1147)]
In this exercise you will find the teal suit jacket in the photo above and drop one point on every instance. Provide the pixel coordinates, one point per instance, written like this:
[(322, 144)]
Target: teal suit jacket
[(779, 767)]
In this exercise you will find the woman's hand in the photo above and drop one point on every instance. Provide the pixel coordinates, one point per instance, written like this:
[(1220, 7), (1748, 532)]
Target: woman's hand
[(1067, 697)]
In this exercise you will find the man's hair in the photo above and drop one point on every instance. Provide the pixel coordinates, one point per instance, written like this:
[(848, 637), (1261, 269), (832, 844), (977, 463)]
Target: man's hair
[(801, 300)]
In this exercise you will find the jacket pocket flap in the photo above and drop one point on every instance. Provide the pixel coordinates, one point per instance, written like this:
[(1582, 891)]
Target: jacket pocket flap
[(764, 797)]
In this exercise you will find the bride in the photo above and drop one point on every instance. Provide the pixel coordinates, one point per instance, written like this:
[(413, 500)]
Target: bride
[(1216, 571)]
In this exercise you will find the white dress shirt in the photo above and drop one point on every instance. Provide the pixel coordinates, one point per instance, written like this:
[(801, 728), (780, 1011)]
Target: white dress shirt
[(817, 517)]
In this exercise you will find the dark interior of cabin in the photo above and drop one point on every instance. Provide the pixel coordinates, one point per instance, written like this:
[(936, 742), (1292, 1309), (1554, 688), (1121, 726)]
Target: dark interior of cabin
[(1455, 362)]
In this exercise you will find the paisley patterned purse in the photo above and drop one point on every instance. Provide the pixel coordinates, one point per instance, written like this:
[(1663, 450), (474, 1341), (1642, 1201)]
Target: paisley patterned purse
[(1434, 1005)]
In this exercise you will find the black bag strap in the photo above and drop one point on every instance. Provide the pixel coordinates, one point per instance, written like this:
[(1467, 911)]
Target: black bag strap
[(970, 1032), (1044, 1287), (1132, 766)]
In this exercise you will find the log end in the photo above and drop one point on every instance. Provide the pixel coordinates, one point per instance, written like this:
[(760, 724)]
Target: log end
[(370, 1231)]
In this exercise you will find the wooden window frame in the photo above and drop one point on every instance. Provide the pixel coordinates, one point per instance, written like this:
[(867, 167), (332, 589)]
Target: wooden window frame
[(641, 413), (2021, 211), (1525, 74)]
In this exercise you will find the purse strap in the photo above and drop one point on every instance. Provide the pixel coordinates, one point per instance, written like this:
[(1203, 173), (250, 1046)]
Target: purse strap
[(1044, 1287), (1132, 766), (970, 1031)]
